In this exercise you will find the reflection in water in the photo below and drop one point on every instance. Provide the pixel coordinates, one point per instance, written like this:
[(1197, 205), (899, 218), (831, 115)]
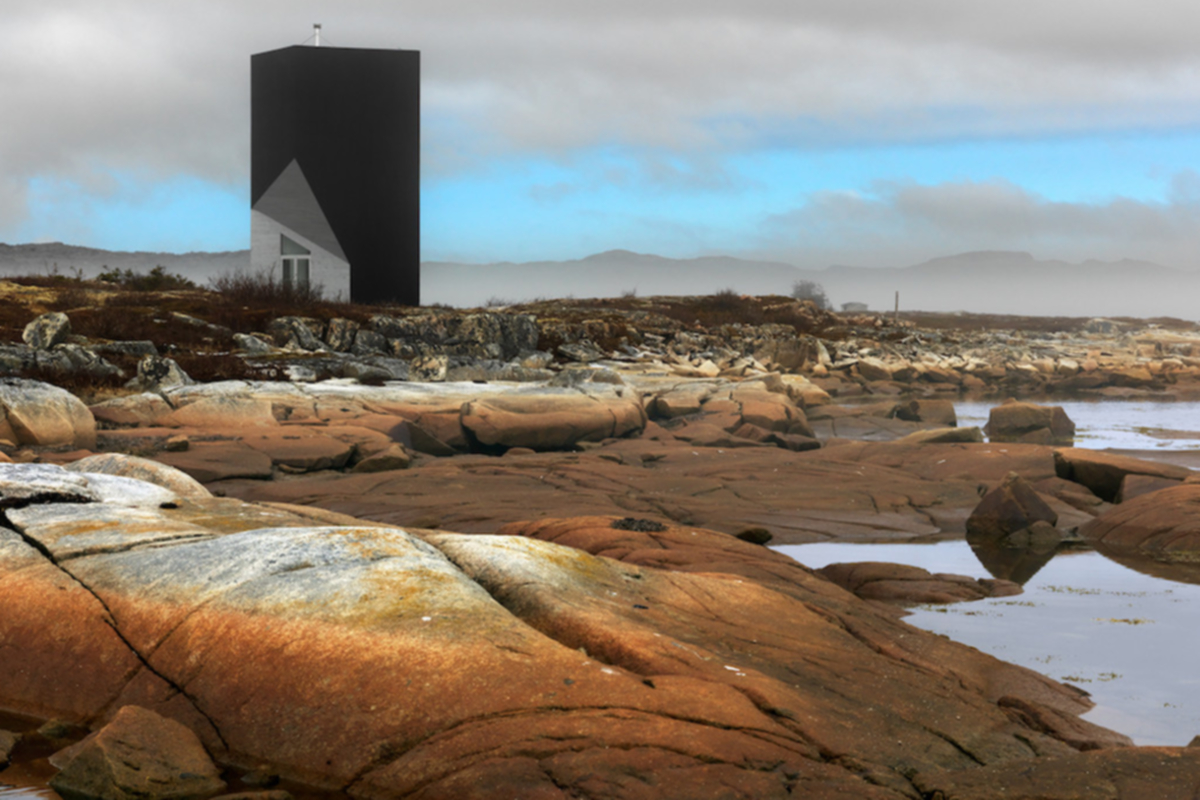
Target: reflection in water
[(1011, 563), (1130, 425), (1158, 565), (1127, 637)]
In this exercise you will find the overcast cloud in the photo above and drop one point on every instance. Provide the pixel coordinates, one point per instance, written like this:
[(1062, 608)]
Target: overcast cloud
[(158, 90)]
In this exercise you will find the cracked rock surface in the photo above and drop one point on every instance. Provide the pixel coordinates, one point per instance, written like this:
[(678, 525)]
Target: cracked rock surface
[(409, 663)]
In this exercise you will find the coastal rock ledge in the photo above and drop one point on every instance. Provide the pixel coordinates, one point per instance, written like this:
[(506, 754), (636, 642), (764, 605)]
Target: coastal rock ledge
[(619, 660)]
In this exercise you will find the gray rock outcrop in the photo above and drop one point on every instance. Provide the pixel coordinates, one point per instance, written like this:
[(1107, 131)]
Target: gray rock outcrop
[(47, 330)]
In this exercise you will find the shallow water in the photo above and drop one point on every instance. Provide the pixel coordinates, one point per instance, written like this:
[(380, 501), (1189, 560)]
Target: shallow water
[(1127, 638), (1124, 425)]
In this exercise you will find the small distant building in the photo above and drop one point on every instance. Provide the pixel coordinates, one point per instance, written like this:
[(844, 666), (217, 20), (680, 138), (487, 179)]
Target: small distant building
[(854, 308), (335, 149)]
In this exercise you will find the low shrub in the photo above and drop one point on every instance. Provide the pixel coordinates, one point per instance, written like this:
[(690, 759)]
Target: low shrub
[(157, 280)]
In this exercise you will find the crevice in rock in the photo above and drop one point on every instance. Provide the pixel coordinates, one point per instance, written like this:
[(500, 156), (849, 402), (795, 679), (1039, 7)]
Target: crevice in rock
[(946, 738), (109, 619)]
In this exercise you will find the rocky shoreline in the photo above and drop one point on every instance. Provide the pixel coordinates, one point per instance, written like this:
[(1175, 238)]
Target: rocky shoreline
[(535, 567)]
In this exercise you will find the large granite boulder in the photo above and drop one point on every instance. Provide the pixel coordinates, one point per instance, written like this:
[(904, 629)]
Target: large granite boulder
[(389, 664), (1029, 423), (139, 755), (36, 413)]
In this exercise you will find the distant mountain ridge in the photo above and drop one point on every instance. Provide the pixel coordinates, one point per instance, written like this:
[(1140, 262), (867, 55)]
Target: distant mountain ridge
[(1003, 282)]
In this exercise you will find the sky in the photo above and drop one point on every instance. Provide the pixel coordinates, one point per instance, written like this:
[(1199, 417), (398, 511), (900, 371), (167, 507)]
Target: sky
[(814, 132)]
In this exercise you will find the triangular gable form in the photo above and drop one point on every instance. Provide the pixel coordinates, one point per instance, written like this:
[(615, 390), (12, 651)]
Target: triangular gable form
[(290, 201)]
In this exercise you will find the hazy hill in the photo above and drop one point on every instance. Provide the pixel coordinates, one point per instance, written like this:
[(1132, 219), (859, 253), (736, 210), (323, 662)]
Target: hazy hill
[(65, 259), (602, 275), (1017, 283), (983, 282)]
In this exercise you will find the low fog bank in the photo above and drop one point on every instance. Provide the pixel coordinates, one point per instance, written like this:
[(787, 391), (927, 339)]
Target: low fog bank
[(985, 282)]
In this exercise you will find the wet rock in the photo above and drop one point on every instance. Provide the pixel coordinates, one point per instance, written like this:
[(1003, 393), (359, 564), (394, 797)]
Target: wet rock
[(159, 372), (139, 755), (47, 330), (905, 585), (36, 413), (1103, 473), (1011, 507), (1033, 424)]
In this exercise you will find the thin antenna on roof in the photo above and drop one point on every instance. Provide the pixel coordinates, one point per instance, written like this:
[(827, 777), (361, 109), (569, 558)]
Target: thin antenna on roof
[(316, 34)]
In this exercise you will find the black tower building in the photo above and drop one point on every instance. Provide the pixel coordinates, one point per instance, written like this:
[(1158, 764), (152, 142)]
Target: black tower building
[(335, 170)]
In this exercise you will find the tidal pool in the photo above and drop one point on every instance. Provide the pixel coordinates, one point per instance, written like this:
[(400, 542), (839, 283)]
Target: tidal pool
[(1127, 638), (1123, 425)]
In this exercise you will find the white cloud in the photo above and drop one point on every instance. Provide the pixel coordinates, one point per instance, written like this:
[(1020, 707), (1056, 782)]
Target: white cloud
[(161, 89)]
